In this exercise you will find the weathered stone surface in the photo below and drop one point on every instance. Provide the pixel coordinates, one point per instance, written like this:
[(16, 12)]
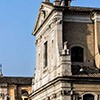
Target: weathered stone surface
[(61, 78)]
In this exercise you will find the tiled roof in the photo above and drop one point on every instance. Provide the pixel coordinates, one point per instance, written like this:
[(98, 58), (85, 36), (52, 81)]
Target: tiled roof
[(16, 80), (85, 70)]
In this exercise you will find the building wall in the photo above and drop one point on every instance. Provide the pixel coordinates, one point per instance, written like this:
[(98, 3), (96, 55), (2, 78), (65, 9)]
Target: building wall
[(3, 91), (15, 92), (98, 29), (11, 92), (53, 92), (16, 88), (82, 89), (62, 31), (53, 36), (78, 33)]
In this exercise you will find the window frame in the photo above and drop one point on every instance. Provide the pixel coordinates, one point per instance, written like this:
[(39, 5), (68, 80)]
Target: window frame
[(77, 59), (94, 94), (46, 54)]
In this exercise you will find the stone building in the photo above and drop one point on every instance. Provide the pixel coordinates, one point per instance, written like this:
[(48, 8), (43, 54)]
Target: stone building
[(15, 88), (67, 52)]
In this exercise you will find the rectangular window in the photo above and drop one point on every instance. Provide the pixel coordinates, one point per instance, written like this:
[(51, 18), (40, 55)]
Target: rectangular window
[(45, 53), (52, 49)]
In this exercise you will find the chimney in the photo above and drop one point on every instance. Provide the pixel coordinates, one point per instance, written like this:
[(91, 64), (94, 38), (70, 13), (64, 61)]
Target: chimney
[(66, 3), (57, 2)]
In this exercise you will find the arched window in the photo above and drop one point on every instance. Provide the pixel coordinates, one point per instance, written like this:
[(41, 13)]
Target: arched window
[(24, 95), (88, 97), (77, 54)]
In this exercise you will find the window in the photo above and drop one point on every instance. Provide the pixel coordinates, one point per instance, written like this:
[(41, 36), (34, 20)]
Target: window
[(8, 98), (45, 54), (25, 98), (52, 49), (24, 94), (77, 54), (88, 97)]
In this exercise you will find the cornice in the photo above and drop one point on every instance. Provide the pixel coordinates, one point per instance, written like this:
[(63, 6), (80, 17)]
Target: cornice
[(77, 18), (70, 79)]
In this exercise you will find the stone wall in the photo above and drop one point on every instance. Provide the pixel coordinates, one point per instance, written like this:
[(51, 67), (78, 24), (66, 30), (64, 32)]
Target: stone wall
[(81, 89), (80, 34)]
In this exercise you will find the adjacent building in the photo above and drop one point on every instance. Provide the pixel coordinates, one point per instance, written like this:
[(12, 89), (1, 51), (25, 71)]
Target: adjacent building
[(67, 52), (15, 88)]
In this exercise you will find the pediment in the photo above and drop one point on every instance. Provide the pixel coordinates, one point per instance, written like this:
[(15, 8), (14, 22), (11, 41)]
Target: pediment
[(44, 11)]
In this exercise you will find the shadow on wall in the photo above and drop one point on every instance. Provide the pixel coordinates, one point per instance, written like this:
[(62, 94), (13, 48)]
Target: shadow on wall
[(80, 35)]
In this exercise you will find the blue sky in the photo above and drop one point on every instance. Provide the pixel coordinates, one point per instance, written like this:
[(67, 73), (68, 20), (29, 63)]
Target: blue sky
[(17, 45)]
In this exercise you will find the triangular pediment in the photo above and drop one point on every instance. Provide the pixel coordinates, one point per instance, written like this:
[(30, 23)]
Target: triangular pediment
[(44, 11)]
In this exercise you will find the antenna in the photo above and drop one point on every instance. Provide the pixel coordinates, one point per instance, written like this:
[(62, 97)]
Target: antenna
[(1, 70)]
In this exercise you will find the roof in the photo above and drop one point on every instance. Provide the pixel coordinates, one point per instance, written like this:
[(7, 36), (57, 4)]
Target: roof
[(75, 8), (85, 70), (16, 80)]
